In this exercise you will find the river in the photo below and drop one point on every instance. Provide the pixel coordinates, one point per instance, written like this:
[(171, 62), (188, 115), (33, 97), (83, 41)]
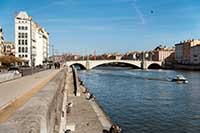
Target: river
[(146, 101)]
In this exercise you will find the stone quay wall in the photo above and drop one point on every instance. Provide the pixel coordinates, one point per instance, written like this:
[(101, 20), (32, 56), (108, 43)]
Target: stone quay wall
[(42, 113), (9, 76)]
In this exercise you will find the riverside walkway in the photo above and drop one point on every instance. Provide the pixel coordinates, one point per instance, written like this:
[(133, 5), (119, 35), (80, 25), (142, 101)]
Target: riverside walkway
[(85, 116), (15, 93), (38, 103)]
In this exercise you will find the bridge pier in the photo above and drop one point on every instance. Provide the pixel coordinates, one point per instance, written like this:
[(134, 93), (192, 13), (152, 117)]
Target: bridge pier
[(144, 65), (87, 65)]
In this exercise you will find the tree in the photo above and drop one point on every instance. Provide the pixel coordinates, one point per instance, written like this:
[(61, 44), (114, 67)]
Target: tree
[(8, 60)]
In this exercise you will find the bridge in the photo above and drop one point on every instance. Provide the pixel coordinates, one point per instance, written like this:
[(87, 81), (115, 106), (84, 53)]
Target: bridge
[(90, 64)]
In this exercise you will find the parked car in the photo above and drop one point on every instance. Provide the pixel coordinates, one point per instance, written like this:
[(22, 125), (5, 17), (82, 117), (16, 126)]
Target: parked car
[(14, 69)]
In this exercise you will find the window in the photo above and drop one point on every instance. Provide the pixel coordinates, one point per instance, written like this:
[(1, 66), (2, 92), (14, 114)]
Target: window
[(19, 42), (22, 42), (22, 35), (26, 28), (22, 27), (19, 35), (8, 47), (22, 49), (19, 50), (26, 49), (19, 27), (195, 55), (22, 55), (19, 55), (26, 55), (26, 42), (26, 35)]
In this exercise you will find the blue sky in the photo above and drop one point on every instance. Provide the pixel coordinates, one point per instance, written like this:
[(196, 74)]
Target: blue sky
[(82, 26)]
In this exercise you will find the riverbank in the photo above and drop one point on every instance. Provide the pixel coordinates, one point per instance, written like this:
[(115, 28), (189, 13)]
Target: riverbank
[(84, 115), (182, 67)]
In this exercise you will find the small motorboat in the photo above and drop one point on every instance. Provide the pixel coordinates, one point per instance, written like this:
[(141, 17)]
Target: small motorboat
[(180, 79)]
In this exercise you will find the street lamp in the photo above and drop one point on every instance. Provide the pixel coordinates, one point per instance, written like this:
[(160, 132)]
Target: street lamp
[(51, 50)]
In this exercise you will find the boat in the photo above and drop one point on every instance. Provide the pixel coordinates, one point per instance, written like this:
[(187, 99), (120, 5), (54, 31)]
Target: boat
[(180, 79)]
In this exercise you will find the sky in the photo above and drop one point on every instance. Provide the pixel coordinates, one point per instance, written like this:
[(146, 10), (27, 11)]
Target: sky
[(82, 26)]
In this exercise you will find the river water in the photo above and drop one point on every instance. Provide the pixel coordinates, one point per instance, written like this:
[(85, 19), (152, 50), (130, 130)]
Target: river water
[(146, 101)]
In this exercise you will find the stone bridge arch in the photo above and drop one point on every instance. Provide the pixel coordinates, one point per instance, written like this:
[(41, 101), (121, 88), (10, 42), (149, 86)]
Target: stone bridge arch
[(94, 64), (82, 64), (155, 63)]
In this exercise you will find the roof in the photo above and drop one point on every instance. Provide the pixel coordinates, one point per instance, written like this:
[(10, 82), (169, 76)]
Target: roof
[(23, 15)]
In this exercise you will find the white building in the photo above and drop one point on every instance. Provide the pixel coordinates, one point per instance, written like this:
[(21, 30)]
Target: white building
[(31, 40), (1, 42), (195, 55)]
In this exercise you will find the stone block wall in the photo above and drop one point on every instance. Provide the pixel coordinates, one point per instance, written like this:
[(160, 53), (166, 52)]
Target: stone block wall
[(9, 76), (42, 113)]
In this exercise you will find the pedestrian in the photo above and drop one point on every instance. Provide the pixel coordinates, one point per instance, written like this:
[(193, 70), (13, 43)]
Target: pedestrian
[(88, 95), (92, 97), (58, 65), (115, 129), (86, 90), (55, 65), (69, 106)]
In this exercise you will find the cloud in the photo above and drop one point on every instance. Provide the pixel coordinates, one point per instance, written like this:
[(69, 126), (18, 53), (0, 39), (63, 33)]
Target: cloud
[(139, 13)]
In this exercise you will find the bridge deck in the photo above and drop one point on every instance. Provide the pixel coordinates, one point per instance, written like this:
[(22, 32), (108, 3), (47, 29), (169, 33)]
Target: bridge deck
[(90, 64)]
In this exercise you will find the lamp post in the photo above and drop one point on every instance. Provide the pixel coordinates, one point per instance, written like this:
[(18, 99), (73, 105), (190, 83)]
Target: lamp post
[(31, 47), (51, 50)]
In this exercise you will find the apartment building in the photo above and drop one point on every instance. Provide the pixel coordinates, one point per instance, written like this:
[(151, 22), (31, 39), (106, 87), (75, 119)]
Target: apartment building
[(195, 55), (31, 40), (161, 53), (183, 51)]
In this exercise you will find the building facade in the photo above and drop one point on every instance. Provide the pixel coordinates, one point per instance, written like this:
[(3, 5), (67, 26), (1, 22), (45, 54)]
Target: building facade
[(1, 42), (9, 48), (163, 54), (183, 51), (31, 41), (195, 55), (179, 52), (131, 55)]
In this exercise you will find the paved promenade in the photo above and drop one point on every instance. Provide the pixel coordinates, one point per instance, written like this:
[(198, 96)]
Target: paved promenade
[(20, 90), (85, 115)]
